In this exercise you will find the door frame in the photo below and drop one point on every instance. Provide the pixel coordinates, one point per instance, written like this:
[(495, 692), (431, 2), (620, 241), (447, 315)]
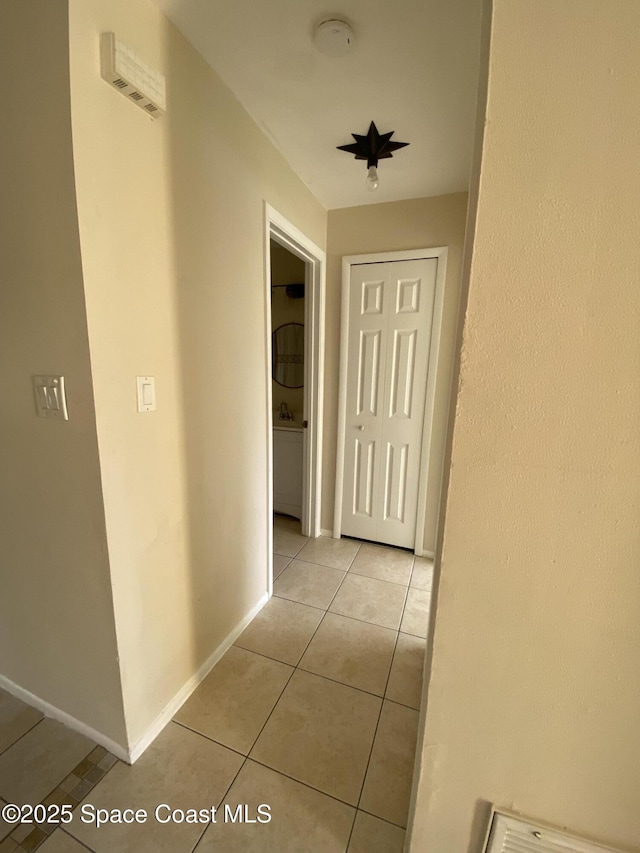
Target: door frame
[(440, 253), (279, 229)]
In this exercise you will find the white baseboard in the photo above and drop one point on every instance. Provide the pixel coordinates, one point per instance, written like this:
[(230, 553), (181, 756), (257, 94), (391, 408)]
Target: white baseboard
[(50, 710), (132, 753), (174, 705), (325, 532)]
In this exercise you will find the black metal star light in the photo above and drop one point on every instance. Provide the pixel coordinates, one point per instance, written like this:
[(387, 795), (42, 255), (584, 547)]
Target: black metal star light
[(372, 147)]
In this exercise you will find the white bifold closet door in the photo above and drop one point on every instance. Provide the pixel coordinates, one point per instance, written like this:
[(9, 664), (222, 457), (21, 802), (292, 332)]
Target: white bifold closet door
[(390, 326)]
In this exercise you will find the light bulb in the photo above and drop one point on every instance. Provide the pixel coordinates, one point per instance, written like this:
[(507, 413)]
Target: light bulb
[(372, 179)]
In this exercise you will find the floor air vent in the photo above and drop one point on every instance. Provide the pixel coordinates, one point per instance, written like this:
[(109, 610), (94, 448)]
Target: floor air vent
[(512, 834), (128, 73)]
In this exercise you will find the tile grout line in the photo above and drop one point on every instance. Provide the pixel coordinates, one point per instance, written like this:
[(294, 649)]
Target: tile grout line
[(358, 574), (352, 572), (383, 819), (80, 802), (406, 587), (413, 568), (81, 843), (38, 825), (360, 542), (24, 734), (286, 684), (349, 568), (375, 734), (295, 666), (319, 791), (280, 772), (300, 782), (325, 609), (353, 826), (222, 798), (272, 769), (317, 607), (344, 615), (209, 738), (315, 563), (373, 740), (333, 613), (314, 606), (344, 684), (246, 757), (308, 672)]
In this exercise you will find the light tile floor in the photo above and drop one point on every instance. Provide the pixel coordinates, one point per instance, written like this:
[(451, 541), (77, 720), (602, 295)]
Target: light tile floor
[(314, 712)]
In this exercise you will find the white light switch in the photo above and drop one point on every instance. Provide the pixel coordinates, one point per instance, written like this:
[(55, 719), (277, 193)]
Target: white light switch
[(51, 400), (146, 393)]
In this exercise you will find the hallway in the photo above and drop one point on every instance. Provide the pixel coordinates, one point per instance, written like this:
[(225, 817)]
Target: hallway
[(313, 712)]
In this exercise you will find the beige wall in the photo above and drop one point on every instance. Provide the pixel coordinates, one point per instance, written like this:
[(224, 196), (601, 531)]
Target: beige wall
[(394, 226), (286, 268), (57, 633), (534, 696), (172, 234)]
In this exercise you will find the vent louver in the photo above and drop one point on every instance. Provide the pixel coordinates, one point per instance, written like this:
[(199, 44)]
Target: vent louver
[(128, 73), (513, 834)]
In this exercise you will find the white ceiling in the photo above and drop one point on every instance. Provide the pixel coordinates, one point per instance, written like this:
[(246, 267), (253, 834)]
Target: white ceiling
[(413, 69)]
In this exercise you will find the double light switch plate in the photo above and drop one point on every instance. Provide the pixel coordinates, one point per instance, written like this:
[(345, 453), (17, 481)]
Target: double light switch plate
[(51, 400)]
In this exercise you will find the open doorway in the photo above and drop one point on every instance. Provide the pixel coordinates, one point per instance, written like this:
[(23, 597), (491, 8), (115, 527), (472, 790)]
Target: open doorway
[(288, 275), (294, 334)]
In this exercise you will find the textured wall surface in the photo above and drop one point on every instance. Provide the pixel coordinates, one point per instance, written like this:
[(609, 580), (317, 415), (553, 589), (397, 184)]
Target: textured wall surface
[(534, 696)]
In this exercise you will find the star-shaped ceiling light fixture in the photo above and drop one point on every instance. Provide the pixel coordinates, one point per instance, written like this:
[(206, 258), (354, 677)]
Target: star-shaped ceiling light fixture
[(372, 147)]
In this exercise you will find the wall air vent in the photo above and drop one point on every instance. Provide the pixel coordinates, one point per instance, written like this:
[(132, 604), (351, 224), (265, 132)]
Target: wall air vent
[(124, 70), (512, 834)]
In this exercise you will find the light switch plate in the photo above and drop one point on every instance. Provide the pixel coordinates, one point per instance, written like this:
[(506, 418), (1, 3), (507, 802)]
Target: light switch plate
[(146, 386), (50, 396)]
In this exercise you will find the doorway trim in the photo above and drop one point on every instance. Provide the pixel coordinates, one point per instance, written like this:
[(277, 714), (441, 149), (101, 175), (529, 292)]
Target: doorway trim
[(427, 425), (279, 229)]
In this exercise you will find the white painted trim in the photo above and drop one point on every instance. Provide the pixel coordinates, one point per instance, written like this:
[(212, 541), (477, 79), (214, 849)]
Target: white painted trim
[(325, 532), (429, 403), (440, 253), (174, 705), (269, 398), (55, 713), (286, 234), (342, 397), (132, 753)]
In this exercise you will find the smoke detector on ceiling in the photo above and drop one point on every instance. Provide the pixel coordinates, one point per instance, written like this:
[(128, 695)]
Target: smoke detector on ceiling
[(333, 37)]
